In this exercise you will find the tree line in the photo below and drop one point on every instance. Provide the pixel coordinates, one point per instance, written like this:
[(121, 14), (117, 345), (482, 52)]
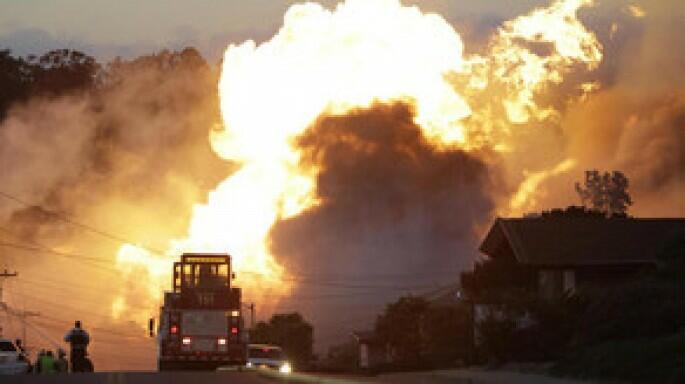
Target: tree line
[(64, 71)]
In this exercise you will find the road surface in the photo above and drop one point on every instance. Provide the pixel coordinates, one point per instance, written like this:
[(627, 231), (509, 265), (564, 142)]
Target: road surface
[(143, 378), (254, 377)]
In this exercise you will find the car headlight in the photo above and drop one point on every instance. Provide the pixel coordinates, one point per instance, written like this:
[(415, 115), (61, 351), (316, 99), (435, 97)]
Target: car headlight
[(249, 364), (285, 368)]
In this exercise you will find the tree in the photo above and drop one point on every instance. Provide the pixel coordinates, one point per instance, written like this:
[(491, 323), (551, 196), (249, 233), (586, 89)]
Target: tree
[(401, 328), (289, 331), (606, 193), (63, 70), (14, 80), (420, 334), (448, 333), (342, 358)]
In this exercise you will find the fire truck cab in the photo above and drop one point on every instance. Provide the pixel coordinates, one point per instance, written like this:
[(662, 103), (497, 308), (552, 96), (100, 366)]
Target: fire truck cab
[(200, 323)]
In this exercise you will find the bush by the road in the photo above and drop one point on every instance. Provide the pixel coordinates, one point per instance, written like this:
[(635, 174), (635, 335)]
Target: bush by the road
[(652, 360)]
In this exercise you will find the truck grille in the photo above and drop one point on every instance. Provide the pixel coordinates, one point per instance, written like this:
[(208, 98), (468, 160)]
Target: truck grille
[(204, 345)]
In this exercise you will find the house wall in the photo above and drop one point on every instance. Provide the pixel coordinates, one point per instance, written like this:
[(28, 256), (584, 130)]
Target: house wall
[(553, 282), (610, 275), (372, 355)]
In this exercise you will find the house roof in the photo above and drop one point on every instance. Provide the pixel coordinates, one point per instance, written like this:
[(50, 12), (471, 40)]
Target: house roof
[(365, 336), (576, 241)]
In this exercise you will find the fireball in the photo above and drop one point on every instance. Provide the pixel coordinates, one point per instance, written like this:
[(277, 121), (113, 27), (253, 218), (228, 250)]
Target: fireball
[(331, 61)]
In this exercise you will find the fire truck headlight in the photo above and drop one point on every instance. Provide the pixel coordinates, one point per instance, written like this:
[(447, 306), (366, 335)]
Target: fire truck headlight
[(221, 341), (285, 368), (186, 340)]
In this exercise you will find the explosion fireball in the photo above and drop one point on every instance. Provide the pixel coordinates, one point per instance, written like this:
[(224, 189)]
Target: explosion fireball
[(333, 61)]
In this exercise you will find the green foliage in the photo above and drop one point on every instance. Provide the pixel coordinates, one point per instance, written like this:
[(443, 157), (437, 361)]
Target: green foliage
[(645, 360), (53, 73), (447, 334), (291, 332), (530, 329), (401, 326), (595, 321), (62, 71), (15, 80), (607, 192), (647, 308), (672, 258), (496, 336), (498, 281), (634, 332), (341, 358), (423, 335)]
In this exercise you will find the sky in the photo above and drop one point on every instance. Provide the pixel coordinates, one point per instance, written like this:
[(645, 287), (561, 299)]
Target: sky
[(632, 123), (126, 28)]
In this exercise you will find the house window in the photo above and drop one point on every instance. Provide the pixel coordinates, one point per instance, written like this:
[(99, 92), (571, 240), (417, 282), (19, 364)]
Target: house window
[(569, 281), (550, 283)]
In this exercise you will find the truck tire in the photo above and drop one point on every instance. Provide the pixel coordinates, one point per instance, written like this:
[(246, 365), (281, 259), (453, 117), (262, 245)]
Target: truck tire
[(165, 366)]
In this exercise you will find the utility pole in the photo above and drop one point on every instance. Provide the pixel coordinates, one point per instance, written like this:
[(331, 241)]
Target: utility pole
[(3, 276), (23, 315), (251, 306), (3, 306)]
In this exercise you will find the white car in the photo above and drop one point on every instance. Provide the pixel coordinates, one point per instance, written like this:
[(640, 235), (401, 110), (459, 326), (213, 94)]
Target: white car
[(11, 360), (267, 356)]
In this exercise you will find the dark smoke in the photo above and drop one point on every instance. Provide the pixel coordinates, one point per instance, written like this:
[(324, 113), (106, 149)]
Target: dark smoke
[(395, 210), (129, 155)]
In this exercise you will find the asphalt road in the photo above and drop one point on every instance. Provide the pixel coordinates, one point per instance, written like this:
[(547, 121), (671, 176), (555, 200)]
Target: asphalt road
[(254, 377), (143, 378)]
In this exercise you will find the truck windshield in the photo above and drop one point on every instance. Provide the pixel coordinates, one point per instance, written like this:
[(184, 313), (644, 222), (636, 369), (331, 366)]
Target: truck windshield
[(7, 346), (266, 353), (205, 275)]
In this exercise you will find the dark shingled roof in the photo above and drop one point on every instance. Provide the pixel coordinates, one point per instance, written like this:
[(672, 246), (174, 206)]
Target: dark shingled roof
[(575, 241), (365, 336)]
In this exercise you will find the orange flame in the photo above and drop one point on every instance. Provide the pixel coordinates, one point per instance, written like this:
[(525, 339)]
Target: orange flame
[(330, 61)]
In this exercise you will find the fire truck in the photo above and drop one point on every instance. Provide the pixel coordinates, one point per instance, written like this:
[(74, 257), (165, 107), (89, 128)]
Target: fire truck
[(200, 323)]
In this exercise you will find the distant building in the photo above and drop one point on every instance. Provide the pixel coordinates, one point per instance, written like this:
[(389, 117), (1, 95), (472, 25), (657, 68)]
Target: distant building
[(372, 351), (562, 253)]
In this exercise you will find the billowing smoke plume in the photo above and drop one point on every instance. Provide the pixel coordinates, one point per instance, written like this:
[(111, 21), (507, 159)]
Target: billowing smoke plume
[(128, 156), (394, 211), (634, 120), (365, 149)]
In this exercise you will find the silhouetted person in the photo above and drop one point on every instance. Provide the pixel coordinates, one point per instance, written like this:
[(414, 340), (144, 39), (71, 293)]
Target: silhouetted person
[(61, 364), (47, 363), (78, 339), (37, 368)]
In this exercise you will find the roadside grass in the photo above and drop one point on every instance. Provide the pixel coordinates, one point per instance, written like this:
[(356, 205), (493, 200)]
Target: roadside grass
[(302, 378), (653, 360)]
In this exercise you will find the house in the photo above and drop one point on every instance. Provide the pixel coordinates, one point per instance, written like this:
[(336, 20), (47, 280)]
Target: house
[(372, 351), (562, 252)]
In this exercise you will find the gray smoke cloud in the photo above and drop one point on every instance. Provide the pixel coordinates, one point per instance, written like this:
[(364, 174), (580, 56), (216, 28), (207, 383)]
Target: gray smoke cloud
[(395, 212), (130, 157), (397, 215), (636, 121)]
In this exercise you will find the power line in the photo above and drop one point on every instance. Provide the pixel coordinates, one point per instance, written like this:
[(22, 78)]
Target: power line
[(62, 305), (344, 285), (119, 239), (80, 299), (97, 330), (47, 249), (66, 219), (89, 261)]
